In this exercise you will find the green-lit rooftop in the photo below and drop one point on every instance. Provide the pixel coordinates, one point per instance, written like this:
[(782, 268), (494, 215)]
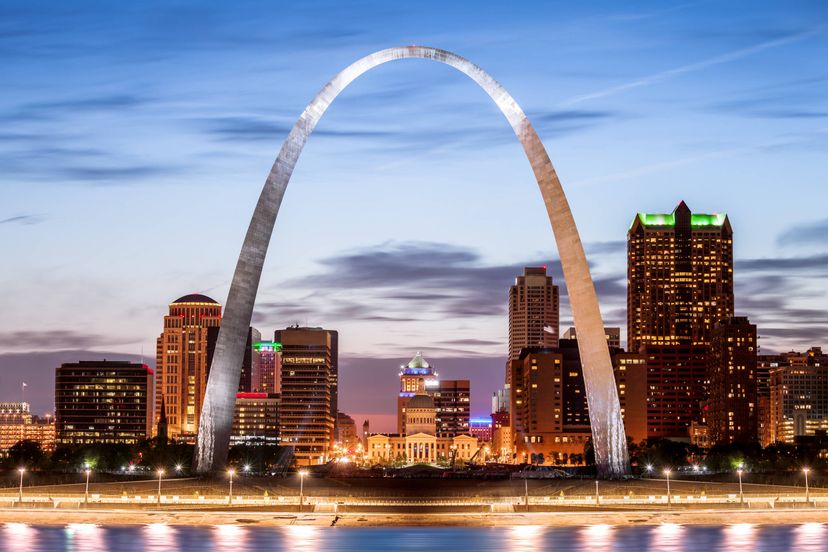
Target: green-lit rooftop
[(697, 220)]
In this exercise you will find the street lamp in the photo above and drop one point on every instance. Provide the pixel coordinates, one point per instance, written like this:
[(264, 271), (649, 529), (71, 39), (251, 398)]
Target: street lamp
[(20, 493), (667, 473), (302, 474), (160, 474), (741, 495), (597, 496), (231, 472), (807, 493), (86, 493), (246, 468), (649, 468), (178, 468)]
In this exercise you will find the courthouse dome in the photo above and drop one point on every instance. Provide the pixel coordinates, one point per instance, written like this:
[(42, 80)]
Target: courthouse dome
[(195, 298), (420, 401)]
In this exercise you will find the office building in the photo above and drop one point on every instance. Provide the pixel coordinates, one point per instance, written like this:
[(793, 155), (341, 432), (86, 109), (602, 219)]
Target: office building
[(103, 402), (309, 392), (732, 414), (452, 400), (613, 336), (17, 424), (267, 372), (799, 396), (534, 312), (182, 364), (256, 419), (679, 284)]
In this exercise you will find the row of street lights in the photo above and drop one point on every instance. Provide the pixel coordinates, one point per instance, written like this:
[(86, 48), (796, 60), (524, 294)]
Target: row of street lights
[(739, 471)]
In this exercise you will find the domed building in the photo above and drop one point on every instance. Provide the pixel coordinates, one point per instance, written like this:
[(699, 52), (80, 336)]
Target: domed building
[(181, 362), (418, 441)]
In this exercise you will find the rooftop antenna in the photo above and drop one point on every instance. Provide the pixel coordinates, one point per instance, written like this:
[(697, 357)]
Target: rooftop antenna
[(23, 392)]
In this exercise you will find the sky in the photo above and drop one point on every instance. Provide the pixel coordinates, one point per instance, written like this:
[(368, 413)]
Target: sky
[(135, 139)]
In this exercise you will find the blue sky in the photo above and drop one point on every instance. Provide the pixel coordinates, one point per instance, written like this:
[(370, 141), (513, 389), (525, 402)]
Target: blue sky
[(135, 138)]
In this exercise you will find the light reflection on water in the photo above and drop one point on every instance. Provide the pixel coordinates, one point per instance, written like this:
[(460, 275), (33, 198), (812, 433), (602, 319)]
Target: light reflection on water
[(667, 537)]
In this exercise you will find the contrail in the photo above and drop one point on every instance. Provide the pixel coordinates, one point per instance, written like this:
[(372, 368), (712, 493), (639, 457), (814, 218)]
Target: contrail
[(697, 66)]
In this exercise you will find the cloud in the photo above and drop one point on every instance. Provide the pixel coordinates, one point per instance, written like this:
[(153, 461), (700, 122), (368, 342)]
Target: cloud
[(23, 219), (784, 264), (691, 67), (410, 281), (54, 340), (805, 234)]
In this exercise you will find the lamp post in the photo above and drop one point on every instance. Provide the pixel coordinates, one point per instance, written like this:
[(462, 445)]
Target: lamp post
[(741, 494), (667, 473), (807, 492), (597, 496), (20, 493), (160, 474), (649, 468), (526, 491), (231, 472), (302, 474), (86, 493), (178, 468)]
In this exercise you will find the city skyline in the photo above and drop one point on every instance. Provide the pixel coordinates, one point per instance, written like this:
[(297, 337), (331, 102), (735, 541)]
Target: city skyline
[(421, 285)]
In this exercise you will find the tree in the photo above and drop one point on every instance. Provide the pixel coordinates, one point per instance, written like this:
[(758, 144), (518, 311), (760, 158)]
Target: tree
[(26, 453)]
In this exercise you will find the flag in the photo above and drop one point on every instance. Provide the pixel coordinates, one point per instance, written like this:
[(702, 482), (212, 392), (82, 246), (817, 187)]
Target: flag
[(25, 384)]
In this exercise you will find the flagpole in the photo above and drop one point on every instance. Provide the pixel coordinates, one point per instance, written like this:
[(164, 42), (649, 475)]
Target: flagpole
[(23, 392)]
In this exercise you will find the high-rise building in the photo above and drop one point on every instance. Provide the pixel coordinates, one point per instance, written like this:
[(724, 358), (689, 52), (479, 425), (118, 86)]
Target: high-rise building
[(17, 424), (679, 284), (182, 362), (630, 371), (799, 396), (267, 372), (452, 400), (309, 392), (256, 419), (733, 408), (103, 402), (679, 277), (346, 433), (613, 336), (538, 410), (534, 313)]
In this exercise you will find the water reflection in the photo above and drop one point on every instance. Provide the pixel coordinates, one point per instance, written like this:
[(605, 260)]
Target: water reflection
[(597, 538), (810, 536), (740, 536), (304, 538), (160, 537), (229, 538), (525, 538), (668, 537)]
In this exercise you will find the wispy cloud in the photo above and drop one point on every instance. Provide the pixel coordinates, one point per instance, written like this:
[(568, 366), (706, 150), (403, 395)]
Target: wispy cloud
[(805, 234), (23, 219), (691, 67)]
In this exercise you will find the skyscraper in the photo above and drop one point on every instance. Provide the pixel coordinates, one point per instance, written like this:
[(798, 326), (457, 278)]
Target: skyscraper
[(679, 284), (182, 362), (267, 372), (534, 312), (307, 415), (799, 396), (452, 401), (679, 277), (733, 408), (103, 402)]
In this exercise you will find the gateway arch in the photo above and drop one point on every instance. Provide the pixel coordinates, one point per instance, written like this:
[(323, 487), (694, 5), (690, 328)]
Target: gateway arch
[(602, 397)]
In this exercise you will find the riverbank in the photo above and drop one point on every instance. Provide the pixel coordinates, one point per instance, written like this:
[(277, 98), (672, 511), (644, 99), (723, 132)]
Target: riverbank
[(271, 519)]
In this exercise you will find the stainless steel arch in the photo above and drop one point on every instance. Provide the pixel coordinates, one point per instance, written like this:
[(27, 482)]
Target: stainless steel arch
[(604, 410)]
